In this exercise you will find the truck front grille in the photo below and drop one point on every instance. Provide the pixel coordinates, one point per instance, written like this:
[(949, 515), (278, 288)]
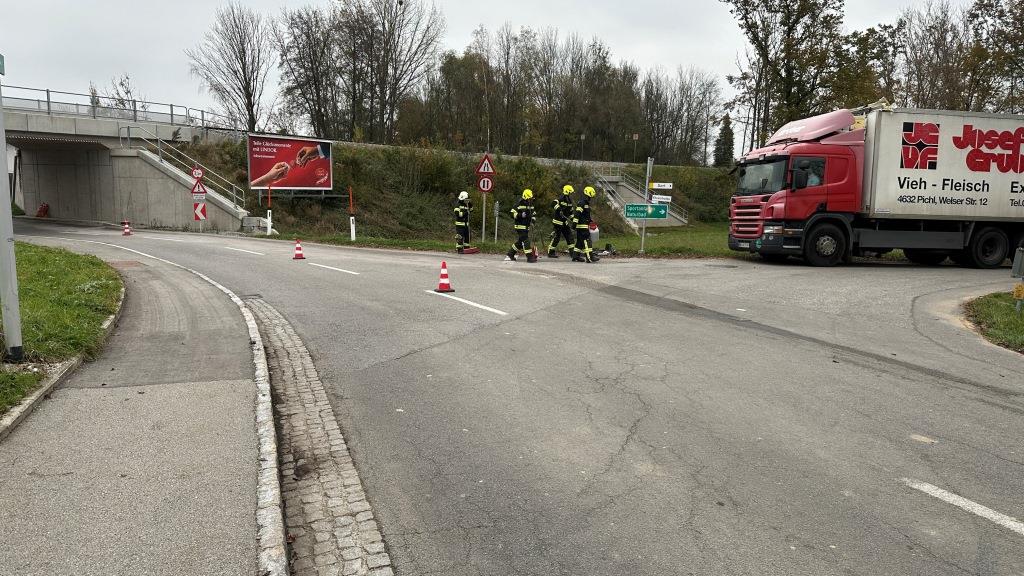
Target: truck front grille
[(746, 220)]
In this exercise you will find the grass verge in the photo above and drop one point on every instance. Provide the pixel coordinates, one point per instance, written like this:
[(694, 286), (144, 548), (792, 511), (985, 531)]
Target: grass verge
[(698, 240), (65, 298), (694, 241), (997, 320)]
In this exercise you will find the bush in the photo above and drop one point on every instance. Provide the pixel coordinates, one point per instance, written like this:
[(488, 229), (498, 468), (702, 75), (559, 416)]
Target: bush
[(408, 193)]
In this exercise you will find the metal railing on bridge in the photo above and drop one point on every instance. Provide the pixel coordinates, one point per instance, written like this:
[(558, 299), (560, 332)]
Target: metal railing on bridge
[(44, 100)]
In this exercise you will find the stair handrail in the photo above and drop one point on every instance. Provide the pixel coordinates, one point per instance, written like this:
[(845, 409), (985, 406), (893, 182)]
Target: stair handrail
[(675, 209), (212, 179)]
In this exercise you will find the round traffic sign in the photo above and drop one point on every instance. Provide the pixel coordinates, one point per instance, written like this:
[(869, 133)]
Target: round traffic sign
[(484, 184), (197, 172)]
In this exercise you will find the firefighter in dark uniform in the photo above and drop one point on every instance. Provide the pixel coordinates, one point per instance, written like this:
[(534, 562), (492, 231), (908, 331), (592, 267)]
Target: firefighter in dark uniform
[(462, 210), (561, 221), (524, 216), (581, 218)]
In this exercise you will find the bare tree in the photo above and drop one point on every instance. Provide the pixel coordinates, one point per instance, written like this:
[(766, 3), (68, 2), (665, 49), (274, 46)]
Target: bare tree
[(312, 83), (122, 99), (233, 61), (401, 38)]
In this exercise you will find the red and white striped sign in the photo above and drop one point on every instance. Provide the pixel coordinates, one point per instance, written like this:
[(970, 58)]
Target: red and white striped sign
[(199, 210)]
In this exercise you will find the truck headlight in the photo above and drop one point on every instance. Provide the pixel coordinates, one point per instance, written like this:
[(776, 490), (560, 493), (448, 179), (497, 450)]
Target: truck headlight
[(773, 229)]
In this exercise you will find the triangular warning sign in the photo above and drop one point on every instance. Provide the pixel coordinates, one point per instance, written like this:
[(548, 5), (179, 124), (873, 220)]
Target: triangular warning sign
[(485, 168), (199, 188)]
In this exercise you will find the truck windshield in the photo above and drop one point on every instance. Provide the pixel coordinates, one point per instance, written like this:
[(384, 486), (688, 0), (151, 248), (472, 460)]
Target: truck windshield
[(762, 177)]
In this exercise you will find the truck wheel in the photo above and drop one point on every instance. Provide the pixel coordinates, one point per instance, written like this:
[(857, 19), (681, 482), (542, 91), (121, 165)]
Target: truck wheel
[(988, 248), (825, 245), (925, 257)]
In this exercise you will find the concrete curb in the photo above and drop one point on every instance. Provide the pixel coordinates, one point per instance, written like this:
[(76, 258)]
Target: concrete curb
[(65, 369)]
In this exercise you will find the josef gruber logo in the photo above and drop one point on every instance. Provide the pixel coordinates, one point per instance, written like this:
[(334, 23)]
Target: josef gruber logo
[(920, 149)]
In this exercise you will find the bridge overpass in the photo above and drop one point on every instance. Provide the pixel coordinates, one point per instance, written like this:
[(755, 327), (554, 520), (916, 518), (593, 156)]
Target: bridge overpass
[(92, 159)]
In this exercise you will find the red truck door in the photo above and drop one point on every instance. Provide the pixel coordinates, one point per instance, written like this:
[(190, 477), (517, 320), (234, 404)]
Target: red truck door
[(804, 202)]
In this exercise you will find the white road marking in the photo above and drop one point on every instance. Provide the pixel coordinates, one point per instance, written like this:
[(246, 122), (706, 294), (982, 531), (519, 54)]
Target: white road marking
[(923, 439), (335, 269), (246, 251), (464, 301), (999, 518), (148, 237)]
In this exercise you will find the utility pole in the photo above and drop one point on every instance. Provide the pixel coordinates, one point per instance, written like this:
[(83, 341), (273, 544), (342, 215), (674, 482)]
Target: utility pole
[(647, 200), (582, 138), (8, 265)]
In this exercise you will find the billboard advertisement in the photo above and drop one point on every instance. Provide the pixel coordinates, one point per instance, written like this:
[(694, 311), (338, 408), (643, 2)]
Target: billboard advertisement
[(289, 163)]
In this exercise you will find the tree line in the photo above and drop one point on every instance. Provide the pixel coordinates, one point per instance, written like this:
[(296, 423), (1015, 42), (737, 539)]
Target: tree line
[(938, 55), (374, 71)]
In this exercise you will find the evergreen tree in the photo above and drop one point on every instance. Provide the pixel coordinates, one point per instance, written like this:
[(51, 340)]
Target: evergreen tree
[(724, 144)]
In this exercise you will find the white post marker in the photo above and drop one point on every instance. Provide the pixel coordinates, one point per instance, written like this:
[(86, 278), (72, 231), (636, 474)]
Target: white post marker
[(270, 222), (8, 265), (352, 228)]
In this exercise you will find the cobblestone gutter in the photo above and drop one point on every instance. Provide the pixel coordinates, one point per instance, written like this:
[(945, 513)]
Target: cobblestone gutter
[(329, 523)]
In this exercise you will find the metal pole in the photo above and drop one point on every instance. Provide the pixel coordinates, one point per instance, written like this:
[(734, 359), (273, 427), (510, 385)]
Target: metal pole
[(8, 264), (48, 111), (483, 216), (647, 184), (172, 113), (495, 221)]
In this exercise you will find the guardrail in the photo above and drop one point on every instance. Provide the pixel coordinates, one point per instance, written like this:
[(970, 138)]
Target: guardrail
[(51, 102), (168, 152)]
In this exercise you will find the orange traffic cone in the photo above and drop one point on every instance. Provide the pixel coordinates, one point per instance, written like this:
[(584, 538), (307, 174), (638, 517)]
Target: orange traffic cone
[(298, 251), (127, 230), (444, 285)]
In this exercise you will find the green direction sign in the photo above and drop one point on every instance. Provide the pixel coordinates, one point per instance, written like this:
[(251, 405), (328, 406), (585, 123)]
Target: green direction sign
[(651, 211)]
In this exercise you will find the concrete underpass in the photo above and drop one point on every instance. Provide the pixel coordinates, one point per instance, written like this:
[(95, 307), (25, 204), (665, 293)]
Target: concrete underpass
[(110, 170)]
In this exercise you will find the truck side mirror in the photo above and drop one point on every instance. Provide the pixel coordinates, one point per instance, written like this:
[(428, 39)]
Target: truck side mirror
[(799, 179)]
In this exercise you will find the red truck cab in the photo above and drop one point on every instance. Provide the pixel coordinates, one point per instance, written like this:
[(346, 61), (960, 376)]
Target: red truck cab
[(770, 209)]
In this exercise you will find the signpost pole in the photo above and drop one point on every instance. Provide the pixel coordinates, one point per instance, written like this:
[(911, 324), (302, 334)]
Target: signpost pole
[(647, 183), (496, 221), (483, 216), (8, 264)]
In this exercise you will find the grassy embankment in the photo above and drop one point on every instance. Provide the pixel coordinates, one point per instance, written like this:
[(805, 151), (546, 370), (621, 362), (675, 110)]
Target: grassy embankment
[(997, 320), (404, 199), (65, 298)]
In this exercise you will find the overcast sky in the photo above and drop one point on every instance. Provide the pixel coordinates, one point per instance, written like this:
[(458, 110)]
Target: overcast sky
[(63, 44)]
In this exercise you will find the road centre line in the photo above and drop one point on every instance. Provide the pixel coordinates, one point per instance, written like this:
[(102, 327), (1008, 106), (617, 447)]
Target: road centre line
[(246, 251), (999, 518), (148, 237), (464, 301), (333, 268)]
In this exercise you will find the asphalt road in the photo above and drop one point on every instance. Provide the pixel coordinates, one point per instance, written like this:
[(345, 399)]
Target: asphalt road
[(652, 417)]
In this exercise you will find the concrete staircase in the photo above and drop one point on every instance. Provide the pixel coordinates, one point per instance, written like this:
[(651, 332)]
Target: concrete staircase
[(621, 189)]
